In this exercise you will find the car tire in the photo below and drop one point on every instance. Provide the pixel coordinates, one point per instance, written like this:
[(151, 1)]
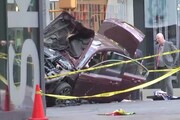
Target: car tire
[(63, 89)]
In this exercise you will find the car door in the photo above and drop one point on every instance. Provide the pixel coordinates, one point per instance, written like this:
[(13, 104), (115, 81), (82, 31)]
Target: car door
[(134, 74), (101, 80)]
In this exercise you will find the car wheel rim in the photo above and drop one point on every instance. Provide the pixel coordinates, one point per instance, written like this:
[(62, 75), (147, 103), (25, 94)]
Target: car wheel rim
[(65, 91)]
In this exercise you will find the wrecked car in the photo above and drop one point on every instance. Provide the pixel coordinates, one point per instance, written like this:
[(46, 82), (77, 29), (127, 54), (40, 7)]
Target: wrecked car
[(81, 48)]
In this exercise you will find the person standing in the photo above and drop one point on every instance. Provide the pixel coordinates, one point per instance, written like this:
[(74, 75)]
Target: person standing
[(165, 62), (138, 54)]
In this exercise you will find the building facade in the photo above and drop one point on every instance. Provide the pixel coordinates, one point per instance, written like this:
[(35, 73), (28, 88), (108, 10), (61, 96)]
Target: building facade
[(21, 51), (156, 16)]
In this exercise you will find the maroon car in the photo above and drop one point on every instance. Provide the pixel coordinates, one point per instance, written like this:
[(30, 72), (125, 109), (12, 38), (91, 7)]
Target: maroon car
[(114, 42)]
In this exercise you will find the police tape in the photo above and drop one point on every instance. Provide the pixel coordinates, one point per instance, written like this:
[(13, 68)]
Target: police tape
[(3, 56), (109, 65), (161, 70), (3, 80), (109, 94)]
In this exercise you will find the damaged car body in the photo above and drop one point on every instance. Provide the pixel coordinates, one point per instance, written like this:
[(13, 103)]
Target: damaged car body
[(69, 46)]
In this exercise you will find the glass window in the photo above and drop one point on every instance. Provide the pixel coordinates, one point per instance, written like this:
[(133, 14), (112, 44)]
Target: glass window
[(97, 58), (162, 16), (3, 54), (109, 71), (22, 25), (136, 69), (106, 58), (54, 9)]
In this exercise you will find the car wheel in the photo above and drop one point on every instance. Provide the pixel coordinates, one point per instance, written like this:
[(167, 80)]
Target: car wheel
[(63, 89)]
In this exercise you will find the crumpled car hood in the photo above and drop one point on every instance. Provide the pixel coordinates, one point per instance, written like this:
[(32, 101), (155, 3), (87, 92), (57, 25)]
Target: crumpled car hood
[(123, 33), (64, 33)]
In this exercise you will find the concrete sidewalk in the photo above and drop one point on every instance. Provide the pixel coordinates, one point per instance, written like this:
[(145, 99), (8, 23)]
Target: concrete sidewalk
[(145, 110)]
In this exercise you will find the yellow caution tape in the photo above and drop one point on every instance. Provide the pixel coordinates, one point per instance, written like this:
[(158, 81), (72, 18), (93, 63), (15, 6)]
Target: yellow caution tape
[(4, 54), (162, 70), (17, 60), (99, 67), (142, 85), (108, 65), (108, 94), (171, 72), (3, 80)]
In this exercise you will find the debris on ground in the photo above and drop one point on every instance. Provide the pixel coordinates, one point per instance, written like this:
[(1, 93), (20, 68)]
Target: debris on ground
[(161, 95), (118, 112)]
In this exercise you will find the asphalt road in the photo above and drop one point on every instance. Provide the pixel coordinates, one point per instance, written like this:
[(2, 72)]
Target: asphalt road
[(145, 110)]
